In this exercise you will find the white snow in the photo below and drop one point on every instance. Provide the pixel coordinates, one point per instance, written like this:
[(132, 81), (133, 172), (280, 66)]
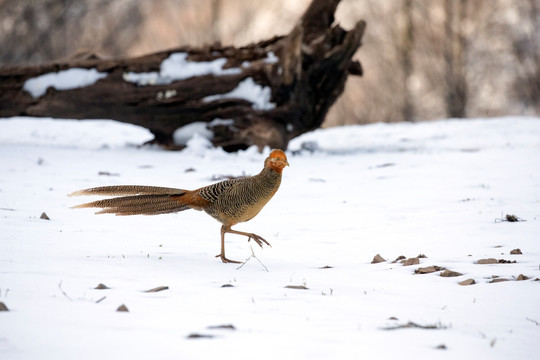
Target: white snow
[(182, 135), (221, 122), (271, 58), (200, 129), (248, 90), (403, 189), (145, 78), (177, 67), (62, 80)]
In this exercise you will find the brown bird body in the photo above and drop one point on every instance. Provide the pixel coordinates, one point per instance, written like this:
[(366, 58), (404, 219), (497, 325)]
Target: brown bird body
[(229, 202)]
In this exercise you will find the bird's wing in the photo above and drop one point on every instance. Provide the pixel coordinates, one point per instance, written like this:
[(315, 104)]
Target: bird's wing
[(213, 192)]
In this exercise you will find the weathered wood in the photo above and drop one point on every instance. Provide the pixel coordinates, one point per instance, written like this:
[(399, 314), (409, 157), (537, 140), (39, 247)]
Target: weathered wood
[(305, 72)]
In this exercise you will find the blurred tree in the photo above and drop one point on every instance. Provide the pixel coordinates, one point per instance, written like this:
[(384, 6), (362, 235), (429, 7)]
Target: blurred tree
[(526, 49), (423, 59), (34, 32), (454, 57), (406, 60)]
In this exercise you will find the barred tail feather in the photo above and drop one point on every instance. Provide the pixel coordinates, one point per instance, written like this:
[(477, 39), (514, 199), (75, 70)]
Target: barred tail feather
[(119, 190), (139, 204)]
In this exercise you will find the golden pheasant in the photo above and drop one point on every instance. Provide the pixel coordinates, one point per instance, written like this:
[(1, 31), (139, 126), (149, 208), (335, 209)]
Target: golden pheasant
[(230, 201)]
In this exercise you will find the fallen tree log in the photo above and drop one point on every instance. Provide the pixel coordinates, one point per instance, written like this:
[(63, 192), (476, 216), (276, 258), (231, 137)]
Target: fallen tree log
[(262, 94)]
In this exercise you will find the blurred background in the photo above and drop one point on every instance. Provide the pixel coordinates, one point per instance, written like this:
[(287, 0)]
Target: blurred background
[(423, 60)]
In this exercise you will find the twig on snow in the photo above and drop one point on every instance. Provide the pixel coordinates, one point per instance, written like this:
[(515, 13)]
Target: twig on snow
[(63, 292), (252, 256), (411, 324)]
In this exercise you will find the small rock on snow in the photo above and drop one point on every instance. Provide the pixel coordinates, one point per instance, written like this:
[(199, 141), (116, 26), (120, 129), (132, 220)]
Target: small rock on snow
[(467, 282), (450, 273), (122, 308), (487, 261), (410, 261)]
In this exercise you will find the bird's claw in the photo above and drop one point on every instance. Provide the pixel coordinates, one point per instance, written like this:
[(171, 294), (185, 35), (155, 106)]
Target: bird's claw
[(259, 240), (225, 260)]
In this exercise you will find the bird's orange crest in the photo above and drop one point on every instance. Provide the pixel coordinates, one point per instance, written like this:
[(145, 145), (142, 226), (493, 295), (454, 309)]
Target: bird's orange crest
[(278, 154), (277, 160)]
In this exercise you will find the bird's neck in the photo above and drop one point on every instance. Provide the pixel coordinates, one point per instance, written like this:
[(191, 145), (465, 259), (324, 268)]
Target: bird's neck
[(271, 173), (268, 179), (270, 166)]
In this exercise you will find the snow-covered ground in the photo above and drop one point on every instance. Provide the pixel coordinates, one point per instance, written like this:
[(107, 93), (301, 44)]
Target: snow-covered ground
[(406, 189)]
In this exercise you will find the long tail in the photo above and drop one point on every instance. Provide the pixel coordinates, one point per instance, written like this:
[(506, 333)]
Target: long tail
[(117, 190), (140, 200)]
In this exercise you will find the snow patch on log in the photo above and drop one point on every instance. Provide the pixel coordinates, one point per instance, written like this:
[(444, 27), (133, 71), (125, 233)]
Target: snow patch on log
[(221, 122), (199, 146), (63, 80), (145, 78), (199, 128), (177, 67), (271, 58), (247, 89), (184, 134)]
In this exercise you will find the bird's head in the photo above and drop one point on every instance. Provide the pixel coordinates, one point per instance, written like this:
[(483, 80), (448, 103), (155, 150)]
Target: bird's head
[(276, 161)]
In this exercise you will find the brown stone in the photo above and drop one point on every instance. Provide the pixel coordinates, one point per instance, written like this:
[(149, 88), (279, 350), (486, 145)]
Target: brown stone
[(487, 261), (428, 269), (504, 261), (377, 259), (122, 308), (410, 261), (516, 252), (467, 282), (450, 273)]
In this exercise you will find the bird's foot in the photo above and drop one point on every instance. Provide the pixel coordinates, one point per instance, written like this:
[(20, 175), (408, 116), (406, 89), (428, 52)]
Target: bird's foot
[(225, 260), (258, 239)]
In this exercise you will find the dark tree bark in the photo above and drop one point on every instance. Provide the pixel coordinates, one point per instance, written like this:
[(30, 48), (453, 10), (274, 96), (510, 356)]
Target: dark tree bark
[(304, 71), (406, 50), (454, 56)]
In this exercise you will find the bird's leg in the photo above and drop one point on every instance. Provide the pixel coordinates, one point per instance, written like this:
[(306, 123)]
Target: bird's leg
[(258, 239), (222, 254)]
